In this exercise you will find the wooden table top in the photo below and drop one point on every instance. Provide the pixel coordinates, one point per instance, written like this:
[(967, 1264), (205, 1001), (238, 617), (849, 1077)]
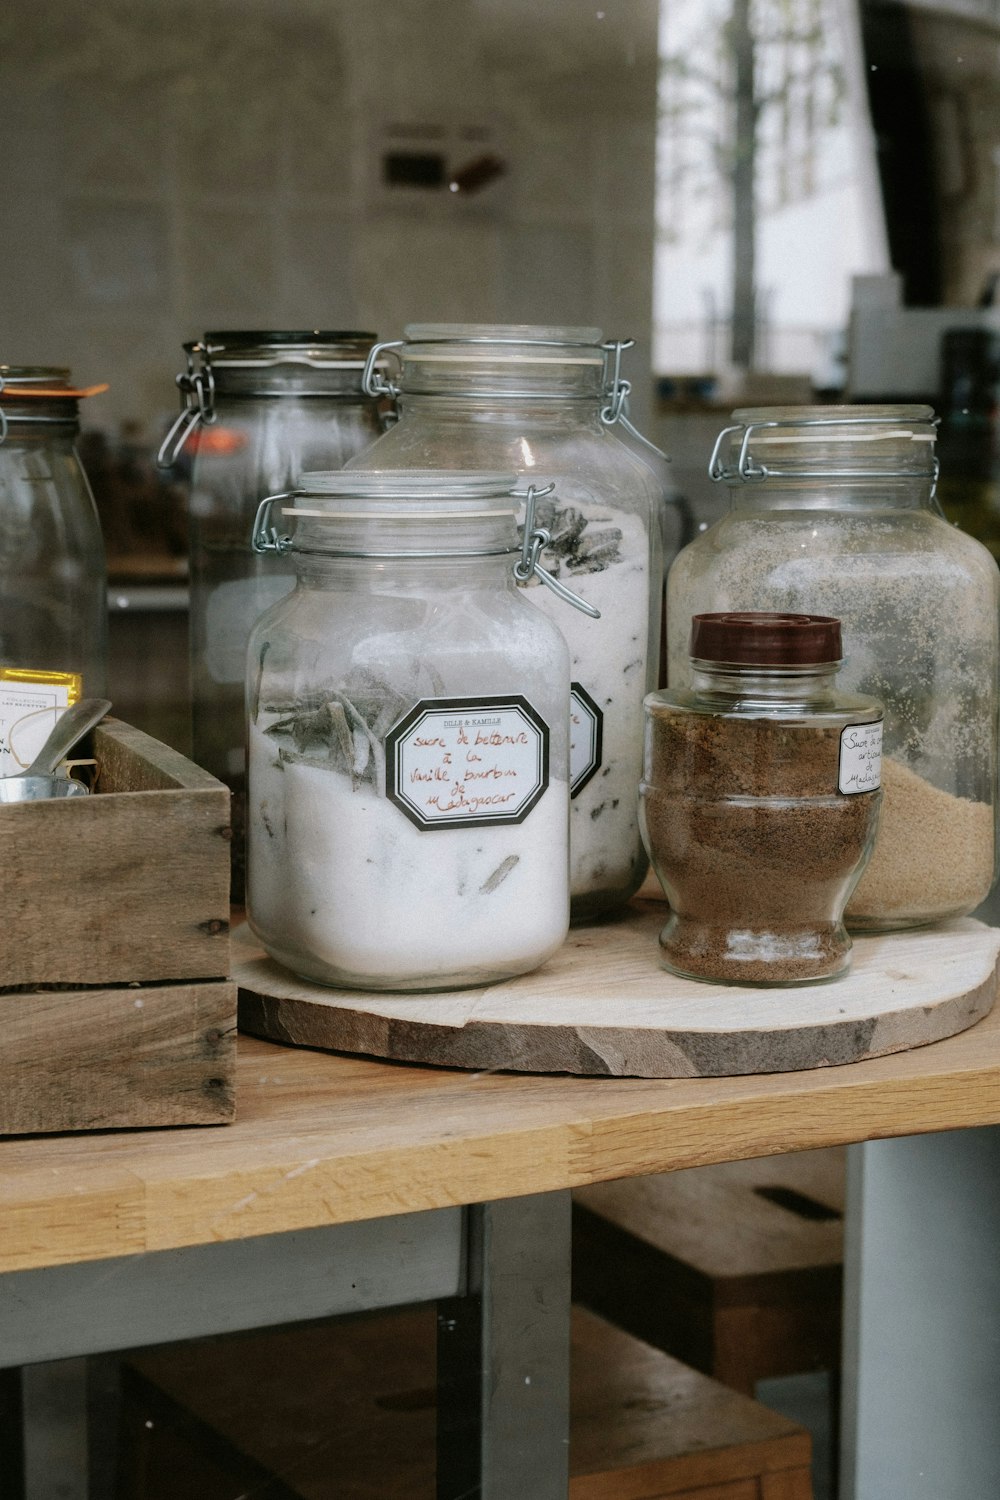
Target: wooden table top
[(322, 1138)]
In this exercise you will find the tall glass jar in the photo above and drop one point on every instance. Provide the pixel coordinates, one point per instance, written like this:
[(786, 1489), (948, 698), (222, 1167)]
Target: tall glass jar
[(258, 409), (550, 404), (833, 512), (53, 579), (409, 740)]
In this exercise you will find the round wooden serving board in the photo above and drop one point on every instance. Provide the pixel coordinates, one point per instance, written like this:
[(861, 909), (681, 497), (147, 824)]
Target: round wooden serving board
[(603, 1005)]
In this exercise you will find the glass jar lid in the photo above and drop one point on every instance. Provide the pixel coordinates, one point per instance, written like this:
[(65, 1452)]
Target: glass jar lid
[(515, 340), (254, 348), (394, 513), (429, 493), (262, 365), (763, 638), (40, 394), (805, 442), (413, 513), (35, 377), (497, 360)]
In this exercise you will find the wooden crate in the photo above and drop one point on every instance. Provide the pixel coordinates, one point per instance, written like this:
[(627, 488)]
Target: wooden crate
[(345, 1411), (115, 1003), (129, 885), (735, 1268)]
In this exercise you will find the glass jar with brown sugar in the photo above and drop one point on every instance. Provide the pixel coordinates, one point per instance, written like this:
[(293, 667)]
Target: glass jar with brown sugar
[(760, 800), (833, 512)]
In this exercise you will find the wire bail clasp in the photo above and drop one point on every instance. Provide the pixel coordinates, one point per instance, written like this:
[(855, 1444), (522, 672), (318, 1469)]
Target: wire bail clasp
[(616, 388), (617, 391), (373, 381), (197, 388), (749, 471), (265, 536), (534, 539)]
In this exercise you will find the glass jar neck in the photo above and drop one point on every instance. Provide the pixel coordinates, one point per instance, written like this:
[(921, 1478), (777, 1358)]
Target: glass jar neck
[(522, 410), (403, 539), (270, 381), (847, 456), (504, 364), (373, 574), (246, 364), (725, 684), (826, 492), (40, 417)]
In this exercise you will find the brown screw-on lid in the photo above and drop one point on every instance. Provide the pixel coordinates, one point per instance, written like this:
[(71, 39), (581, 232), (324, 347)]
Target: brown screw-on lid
[(761, 639)]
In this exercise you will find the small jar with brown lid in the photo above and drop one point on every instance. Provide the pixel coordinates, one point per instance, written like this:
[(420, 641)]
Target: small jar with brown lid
[(760, 800)]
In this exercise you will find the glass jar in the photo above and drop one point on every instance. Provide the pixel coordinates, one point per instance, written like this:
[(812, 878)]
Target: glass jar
[(409, 740), (53, 578), (550, 404), (833, 512), (969, 435), (760, 800), (258, 409)]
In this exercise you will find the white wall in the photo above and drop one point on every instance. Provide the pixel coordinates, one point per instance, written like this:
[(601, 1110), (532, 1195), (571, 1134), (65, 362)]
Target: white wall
[(169, 168)]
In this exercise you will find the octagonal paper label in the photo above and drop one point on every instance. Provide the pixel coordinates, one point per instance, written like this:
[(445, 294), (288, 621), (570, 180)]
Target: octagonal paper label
[(586, 736), (464, 762)]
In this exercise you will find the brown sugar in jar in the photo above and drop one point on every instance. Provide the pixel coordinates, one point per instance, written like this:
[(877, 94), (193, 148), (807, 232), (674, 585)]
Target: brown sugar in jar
[(760, 800)]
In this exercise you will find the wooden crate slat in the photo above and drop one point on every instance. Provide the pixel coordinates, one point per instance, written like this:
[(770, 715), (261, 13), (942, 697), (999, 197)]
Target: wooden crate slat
[(125, 1057), (128, 885)]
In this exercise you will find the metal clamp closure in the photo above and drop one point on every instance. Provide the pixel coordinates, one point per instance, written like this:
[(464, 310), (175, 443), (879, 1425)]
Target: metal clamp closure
[(749, 471), (197, 388), (265, 537), (616, 387), (534, 540), (373, 381), (616, 393)]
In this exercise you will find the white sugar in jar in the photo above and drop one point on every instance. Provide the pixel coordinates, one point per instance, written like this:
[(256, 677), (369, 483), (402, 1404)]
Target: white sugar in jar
[(408, 808), (549, 404)]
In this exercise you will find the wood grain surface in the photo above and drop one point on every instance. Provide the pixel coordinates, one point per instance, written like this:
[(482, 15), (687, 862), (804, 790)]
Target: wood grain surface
[(130, 884), (105, 1059), (344, 1410), (734, 1268), (326, 1139), (603, 1005)]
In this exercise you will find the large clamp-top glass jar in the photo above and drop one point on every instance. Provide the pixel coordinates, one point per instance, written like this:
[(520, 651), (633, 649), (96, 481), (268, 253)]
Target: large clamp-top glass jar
[(833, 512), (550, 405), (409, 738), (258, 408), (53, 580)]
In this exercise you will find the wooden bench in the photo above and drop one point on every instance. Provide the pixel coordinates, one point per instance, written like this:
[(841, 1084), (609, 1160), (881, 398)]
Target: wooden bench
[(344, 1410), (735, 1269)]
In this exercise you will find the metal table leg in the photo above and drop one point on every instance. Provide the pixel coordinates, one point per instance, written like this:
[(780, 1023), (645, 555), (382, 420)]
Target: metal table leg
[(922, 1318), (503, 1356)]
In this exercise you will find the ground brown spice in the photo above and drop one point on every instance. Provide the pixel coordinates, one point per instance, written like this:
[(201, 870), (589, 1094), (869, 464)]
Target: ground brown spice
[(756, 849)]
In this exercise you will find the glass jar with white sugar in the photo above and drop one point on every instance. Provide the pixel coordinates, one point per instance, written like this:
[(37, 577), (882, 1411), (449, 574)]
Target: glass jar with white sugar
[(833, 512), (408, 707), (549, 403)]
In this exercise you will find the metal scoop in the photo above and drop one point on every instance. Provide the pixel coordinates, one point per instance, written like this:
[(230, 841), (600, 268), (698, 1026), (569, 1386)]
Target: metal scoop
[(37, 781), (23, 788)]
